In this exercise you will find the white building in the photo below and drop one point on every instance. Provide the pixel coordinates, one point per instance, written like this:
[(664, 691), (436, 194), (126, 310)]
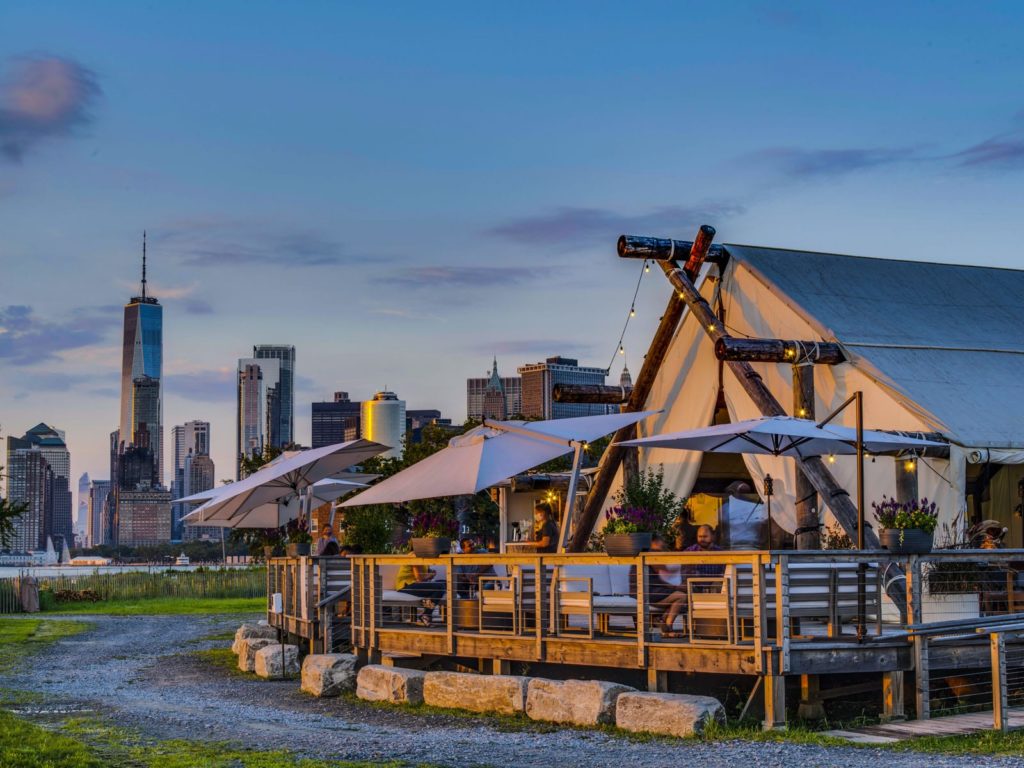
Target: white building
[(383, 421)]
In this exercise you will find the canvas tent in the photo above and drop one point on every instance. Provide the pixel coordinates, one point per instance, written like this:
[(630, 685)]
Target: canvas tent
[(933, 347)]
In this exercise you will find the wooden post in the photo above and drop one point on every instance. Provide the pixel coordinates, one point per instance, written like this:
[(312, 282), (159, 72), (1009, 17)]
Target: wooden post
[(892, 696), (778, 351), (810, 707), (808, 534), (612, 457), (922, 682), (657, 681), (997, 644), (630, 461), (590, 393), (774, 701)]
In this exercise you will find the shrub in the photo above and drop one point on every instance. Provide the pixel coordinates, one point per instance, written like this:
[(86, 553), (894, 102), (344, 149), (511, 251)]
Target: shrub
[(370, 528)]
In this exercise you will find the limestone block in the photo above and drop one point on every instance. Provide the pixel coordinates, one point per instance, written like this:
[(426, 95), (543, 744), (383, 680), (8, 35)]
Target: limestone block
[(670, 714), (251, 632), (247, 649), (328, 674), (276, 661), (505, 694), (577, 702), (391, 684)]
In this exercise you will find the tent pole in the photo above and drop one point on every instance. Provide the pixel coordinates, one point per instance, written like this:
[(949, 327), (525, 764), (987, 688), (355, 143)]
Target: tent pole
[(861, 566), (808, 522), (570, 497)]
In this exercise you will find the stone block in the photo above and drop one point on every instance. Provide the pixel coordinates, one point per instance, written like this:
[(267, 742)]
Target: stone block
[(247, 649), (504, 694), (391, 684), (328, 674), (669, 714), (252, 632), (577, 702), (276, 661)]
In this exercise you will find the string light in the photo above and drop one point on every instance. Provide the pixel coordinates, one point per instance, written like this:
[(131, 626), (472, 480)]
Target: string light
[(622, 350), (909, 465), (629, 316), (802, 412), (647, 267), (831, 458), (632, 311)]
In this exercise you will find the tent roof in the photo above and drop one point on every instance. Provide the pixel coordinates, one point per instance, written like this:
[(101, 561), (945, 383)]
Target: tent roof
[(945, 336)]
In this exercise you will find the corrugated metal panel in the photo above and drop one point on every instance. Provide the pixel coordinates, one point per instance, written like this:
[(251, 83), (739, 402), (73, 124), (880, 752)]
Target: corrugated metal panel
[(949, 338)]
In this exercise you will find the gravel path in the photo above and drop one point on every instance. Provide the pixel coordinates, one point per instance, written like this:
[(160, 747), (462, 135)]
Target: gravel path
[(138, 672)]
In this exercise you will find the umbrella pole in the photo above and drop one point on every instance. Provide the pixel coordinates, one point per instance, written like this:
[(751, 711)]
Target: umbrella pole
[(570, 497), (861, 566)]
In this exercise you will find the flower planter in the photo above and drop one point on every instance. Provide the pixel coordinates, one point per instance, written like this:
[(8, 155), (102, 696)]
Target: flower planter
[(433, 546), (906, 541), (297, 550), (626, 544)]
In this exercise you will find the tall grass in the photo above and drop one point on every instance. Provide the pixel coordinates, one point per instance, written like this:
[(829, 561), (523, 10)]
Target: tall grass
[(138, 585)]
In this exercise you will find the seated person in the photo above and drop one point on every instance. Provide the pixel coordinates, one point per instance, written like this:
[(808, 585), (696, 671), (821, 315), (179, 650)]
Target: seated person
[(327, 544), (467, 577), (678, 600), (418, 580)]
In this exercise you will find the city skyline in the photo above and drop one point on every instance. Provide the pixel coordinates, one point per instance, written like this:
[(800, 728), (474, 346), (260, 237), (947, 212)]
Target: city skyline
[(380, 246)]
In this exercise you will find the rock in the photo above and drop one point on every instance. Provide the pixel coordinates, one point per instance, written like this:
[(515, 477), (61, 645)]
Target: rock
[(328, 674), (276, 661), (578, 702), (391, 684), (671, 714), (251, 632), (247, 651), (504, 694)]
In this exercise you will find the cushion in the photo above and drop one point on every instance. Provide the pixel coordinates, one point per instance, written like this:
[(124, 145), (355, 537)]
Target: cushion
[(394, 596), (614, 603), (618, 575), (598, 574)]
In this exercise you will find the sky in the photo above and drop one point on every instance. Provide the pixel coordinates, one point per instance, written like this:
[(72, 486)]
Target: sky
[(404, 190)]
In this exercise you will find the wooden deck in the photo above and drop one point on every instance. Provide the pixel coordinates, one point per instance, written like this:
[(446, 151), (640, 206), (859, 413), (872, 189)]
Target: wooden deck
[(951, 725)]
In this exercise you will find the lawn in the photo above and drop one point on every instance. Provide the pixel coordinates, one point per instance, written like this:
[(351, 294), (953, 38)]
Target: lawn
[(157, 606), (21, 637)]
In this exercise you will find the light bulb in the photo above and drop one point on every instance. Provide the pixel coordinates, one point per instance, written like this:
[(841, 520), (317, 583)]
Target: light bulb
[(909, 465), (647, 267), (802, 412), (622, 350), (831, 458), (632, 311)]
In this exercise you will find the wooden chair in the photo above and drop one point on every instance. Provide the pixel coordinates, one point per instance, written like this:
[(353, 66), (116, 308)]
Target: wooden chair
[(709, 601), (571, 602)]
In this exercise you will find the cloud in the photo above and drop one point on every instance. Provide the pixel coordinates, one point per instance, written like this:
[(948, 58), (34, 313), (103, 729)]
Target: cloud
[(795, 163), (52, 381), (198, 307), (542, 348), (234, 243), (212, 385), (44, 97), (584, 226), (27, 339), (998, 151), (466, 277)]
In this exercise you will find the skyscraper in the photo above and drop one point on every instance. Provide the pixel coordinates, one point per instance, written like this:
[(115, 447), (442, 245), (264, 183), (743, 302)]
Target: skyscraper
[(259, 406), (189, 439), (495, 404), (476, 389), (53, 502), (540, 378), (281, 425), (383, 421), (29, 482), (142, 374), (82, 519), (335, 422), (97, 528), (199, 476)]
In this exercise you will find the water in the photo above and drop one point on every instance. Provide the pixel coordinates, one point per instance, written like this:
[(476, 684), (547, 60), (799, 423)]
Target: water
[(7, 572)]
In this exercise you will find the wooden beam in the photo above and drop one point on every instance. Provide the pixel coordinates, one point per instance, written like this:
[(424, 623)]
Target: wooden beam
[(612, 458), (590, 393), (778, 351), (808, 532), (664, 249)]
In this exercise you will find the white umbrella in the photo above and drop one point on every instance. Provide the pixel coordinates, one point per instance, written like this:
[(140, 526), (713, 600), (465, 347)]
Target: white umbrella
[(291, 477), (781, 436), (493, 452)]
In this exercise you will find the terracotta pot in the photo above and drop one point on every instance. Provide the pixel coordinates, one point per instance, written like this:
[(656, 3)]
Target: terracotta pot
[(432, 546), (626, 544)]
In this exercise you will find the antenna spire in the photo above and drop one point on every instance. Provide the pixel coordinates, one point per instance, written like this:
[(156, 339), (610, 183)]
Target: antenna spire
[(143, 263)]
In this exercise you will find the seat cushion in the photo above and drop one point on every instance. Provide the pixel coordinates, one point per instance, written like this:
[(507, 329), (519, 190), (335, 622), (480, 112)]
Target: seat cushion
[(598, 574), (618, 603), (394, 596), (618, 576)]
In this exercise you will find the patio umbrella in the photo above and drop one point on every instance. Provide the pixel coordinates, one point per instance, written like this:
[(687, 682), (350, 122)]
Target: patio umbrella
[(493, 452), (289, 478), (781, 436)]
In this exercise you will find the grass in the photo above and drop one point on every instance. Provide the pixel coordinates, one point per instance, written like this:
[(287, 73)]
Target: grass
[(165, 606), (221, 658), (22, 637), (92, 744)]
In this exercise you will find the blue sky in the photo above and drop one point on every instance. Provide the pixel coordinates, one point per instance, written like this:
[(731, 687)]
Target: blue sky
[(403, 190)]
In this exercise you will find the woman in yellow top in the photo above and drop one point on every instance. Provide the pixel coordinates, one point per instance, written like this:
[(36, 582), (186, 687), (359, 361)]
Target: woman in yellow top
[(418, 580)]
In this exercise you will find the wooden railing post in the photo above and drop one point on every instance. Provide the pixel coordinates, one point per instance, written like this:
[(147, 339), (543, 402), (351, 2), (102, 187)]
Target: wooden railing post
[(997, 644), (782, 629)]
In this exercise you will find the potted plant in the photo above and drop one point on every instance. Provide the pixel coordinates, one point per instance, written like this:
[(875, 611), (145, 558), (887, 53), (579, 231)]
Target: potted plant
[(628, 530), (299, 540), (432, 531), (907, 528)]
